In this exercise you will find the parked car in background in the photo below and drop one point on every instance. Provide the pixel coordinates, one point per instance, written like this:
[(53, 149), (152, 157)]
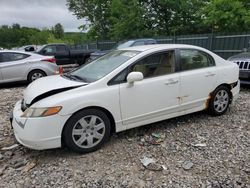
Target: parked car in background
[(29, 48), (130, 43), (64, 55), (124, 89), (21, 66), (243, 61)]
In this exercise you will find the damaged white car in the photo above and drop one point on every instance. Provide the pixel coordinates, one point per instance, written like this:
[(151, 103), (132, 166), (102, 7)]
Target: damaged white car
[(124, 89)]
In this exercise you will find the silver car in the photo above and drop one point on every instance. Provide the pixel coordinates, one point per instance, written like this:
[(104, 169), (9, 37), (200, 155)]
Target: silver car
[(20, 66)]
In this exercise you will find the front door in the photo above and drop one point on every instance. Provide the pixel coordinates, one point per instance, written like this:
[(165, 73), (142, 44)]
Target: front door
[(156, 96)]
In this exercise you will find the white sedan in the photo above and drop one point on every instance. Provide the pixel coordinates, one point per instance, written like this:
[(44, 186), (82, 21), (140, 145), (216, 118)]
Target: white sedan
[(24, 66), (124, 89)]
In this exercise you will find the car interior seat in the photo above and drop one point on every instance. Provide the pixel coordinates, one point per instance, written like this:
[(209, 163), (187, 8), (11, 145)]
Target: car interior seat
[(140, 68), (166, 65), (197, 62)]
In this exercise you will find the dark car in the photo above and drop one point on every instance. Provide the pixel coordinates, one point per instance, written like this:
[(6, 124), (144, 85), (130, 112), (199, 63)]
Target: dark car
[(243, 60), (129, 43), (64, 55)]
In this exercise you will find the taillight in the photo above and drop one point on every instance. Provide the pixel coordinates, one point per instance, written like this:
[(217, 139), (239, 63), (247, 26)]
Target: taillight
[(51, 60), (61, 70)]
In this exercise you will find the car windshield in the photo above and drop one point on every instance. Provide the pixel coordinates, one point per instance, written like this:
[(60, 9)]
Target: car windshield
[(125, 44), (102, 66)]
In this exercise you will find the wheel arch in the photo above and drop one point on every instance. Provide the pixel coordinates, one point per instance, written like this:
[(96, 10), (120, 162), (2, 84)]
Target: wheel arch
[(229, 86), (32, 70), (107, 112)]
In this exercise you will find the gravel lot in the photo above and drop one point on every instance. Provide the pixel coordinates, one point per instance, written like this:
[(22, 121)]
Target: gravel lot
[(196, 150)]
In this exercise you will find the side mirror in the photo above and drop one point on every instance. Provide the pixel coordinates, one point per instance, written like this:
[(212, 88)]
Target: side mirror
[(134, 77)]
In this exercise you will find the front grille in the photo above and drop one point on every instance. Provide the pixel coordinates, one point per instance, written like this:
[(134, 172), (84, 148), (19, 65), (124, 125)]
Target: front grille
[(243, 65)]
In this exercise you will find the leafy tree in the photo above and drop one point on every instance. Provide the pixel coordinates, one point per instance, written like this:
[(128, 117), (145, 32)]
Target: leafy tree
[(227, 15), (127, 20), (175, 16), (58, 31), (96, 13), (16, 26), (40, 37), (121, 19)]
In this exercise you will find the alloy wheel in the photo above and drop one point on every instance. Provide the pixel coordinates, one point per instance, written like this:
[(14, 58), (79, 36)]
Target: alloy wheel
[(221, 101), (88, 131)]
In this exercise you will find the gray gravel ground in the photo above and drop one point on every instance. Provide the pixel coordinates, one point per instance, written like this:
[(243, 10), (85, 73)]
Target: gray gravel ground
[(196, 150)]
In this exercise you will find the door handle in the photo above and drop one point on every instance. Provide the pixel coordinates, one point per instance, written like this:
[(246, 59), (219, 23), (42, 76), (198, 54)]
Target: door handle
[(171, 82), (209, 74)]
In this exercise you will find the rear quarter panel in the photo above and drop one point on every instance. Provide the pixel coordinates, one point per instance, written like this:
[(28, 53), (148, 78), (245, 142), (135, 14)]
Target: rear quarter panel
[(47, 67), (228, 72)]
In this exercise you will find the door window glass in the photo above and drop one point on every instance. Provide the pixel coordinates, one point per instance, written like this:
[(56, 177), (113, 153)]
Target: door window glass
[(156, 64), (60, 48), (139, 43), (150, 42), (50, 49), (195, 59), (10, 56)]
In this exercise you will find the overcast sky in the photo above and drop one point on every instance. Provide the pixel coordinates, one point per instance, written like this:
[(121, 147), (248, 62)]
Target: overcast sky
[(38, 13)]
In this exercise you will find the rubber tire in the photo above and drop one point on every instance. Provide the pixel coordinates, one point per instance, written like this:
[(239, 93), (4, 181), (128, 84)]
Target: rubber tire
[(67, 131), (35, 71), (211, 108)]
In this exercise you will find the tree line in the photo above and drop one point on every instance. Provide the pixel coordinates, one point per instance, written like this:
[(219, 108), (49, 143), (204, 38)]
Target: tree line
[(124, 19), (16, 36)]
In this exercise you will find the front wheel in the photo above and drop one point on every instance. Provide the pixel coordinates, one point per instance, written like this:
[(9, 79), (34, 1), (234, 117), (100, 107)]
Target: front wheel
[(86, 131), (219, 101)]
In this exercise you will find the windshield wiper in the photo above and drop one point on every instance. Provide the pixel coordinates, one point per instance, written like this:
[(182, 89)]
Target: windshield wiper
[(68, 76), (74, 77), (78, 78)]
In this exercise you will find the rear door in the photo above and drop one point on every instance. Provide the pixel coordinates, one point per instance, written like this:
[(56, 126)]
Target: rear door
[(14, 66), (198, 76)]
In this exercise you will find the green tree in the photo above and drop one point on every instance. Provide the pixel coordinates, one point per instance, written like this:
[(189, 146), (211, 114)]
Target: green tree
[(227, 15), (174, 16), (96, 13), (16, 26), (127, 20), (58, 31), (121, 19)]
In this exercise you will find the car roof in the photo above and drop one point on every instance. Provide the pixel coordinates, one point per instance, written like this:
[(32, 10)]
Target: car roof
[(160, 46)]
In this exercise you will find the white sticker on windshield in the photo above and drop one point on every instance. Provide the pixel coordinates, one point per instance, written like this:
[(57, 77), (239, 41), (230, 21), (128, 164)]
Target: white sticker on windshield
[(130, 54)]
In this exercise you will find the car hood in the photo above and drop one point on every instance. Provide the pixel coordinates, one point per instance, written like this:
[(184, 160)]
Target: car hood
[(241, 56), (47, 86)]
